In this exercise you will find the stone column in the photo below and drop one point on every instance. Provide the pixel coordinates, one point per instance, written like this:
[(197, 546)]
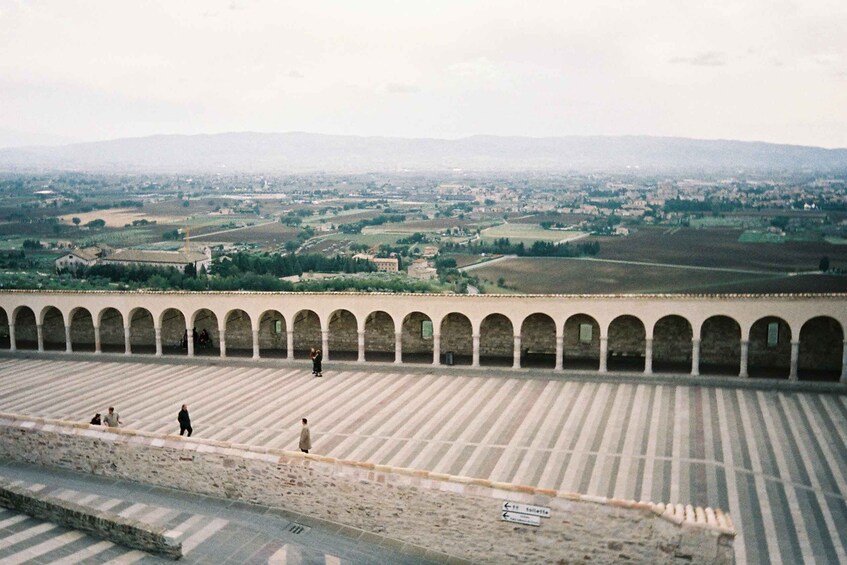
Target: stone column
[(361, 358), (398, 347), (516, 352), (256, 344), (475, 362), (648, 356), (158, 332), (189, 340), (844, 362), (560, 352), (127, 342), (39, 332), (222, 341), (745, 346), (325, 344), (436, 348), (289, 345), (695, 357), (97, 344), (68, 347), (13, 343), (604, 352), (795, 355)]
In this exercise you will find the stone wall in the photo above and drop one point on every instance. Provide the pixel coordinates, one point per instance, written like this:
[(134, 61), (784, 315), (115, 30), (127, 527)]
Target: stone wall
[(100, 523), (458, 516)]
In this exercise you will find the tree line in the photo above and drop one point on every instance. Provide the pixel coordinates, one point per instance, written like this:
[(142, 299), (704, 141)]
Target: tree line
[(502, 246)]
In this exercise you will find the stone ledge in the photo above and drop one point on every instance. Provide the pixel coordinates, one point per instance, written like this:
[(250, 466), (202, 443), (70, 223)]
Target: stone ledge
[(678, 514), (102, 524)]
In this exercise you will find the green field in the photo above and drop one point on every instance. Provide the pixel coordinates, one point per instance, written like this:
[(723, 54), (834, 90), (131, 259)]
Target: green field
[(526, 233)]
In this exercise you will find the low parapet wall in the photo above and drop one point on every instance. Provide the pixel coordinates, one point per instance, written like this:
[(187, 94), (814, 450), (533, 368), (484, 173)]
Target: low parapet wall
[(100, 523), (457, 516)]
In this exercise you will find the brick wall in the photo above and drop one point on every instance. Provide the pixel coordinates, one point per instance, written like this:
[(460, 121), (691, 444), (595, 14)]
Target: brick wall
[(379, 333), (626, 336), (574, 347), (496, 336), (412, 340), (672, 339), (763, 355), (454, 515), (343, 332), (538, 334), (457, 335)]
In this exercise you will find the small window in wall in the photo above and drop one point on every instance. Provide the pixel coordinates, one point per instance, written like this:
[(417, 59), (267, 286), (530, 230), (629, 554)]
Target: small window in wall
[(277, 327), (426, 329), (773, 334), (585, 333)]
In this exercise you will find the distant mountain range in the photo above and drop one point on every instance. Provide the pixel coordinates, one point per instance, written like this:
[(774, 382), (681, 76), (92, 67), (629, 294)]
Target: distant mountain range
[(306, 152)]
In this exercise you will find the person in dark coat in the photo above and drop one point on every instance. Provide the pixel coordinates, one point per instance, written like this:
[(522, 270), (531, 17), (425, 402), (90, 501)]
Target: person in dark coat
[(95, 421), (184, 421), (317, 356)]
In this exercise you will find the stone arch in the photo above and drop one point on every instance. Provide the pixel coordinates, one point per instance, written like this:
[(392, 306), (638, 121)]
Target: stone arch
[(174, 335), (821, 350), (379, 337), (538, 341), (26, 332), (111, 323), (82, 330), (53, 329), (307, 333), (627, 344), (205, 319), (581, 347), (768, 359), (5, 341), (672, 338), (238, 331), (343, 337), (416, 338), (142, 334), (496, 340), (273, 334), (720, 346), (456, 338)]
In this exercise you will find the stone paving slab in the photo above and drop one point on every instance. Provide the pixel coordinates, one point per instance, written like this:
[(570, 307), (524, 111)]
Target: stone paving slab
[(774, 455)]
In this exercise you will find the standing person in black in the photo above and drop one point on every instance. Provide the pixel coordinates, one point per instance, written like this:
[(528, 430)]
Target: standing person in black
[(317, 356), (184, 421)]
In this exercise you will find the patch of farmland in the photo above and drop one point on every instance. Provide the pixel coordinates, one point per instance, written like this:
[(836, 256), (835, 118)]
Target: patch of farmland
[(556, 218), (579, 276), (370, 239), (463, 260), (270, 234), (719, 248), (527, 233), (118, 217)]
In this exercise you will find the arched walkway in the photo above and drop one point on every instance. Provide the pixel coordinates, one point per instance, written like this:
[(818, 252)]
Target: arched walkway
[(821, 350), (496, 341), (672, 337), (770, 349), (720, 346), (82, 330), (112, 331), (142, 334), (307, 333), (538, 341), (379, 337), (174, 335), (238, 334), (456, 340), (53, 330), (581, 343), (205, 319), (626, 344), (417, 338), (26, 332), (343, 336), (273, 335)]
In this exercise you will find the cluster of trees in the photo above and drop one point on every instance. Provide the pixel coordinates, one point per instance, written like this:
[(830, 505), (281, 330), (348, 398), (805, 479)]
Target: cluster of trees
[(15, 260), (503, 246), (376, 221), (287, 265)]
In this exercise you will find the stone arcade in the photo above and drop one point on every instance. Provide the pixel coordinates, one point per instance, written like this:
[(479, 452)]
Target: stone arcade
[(798, 337)]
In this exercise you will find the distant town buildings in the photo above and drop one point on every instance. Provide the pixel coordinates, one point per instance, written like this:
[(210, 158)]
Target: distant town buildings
[(421, 270), (383, 264), (89, 256)]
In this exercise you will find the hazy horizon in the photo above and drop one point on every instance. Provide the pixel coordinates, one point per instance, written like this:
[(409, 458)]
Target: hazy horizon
[(766, 71)]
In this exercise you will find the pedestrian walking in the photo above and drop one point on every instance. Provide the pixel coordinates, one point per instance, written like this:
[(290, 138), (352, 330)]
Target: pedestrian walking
[(305, 437), (112, 419), (184, 421), (316, 356)]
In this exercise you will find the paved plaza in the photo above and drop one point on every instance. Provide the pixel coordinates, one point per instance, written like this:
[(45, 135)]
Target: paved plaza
[(775, 459)]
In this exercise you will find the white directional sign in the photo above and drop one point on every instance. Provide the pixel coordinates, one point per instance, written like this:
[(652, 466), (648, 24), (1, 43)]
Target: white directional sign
[(524, 519), (541, 511)]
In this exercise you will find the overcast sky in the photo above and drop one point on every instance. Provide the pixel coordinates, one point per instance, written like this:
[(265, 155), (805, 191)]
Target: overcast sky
[(768, 70)]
